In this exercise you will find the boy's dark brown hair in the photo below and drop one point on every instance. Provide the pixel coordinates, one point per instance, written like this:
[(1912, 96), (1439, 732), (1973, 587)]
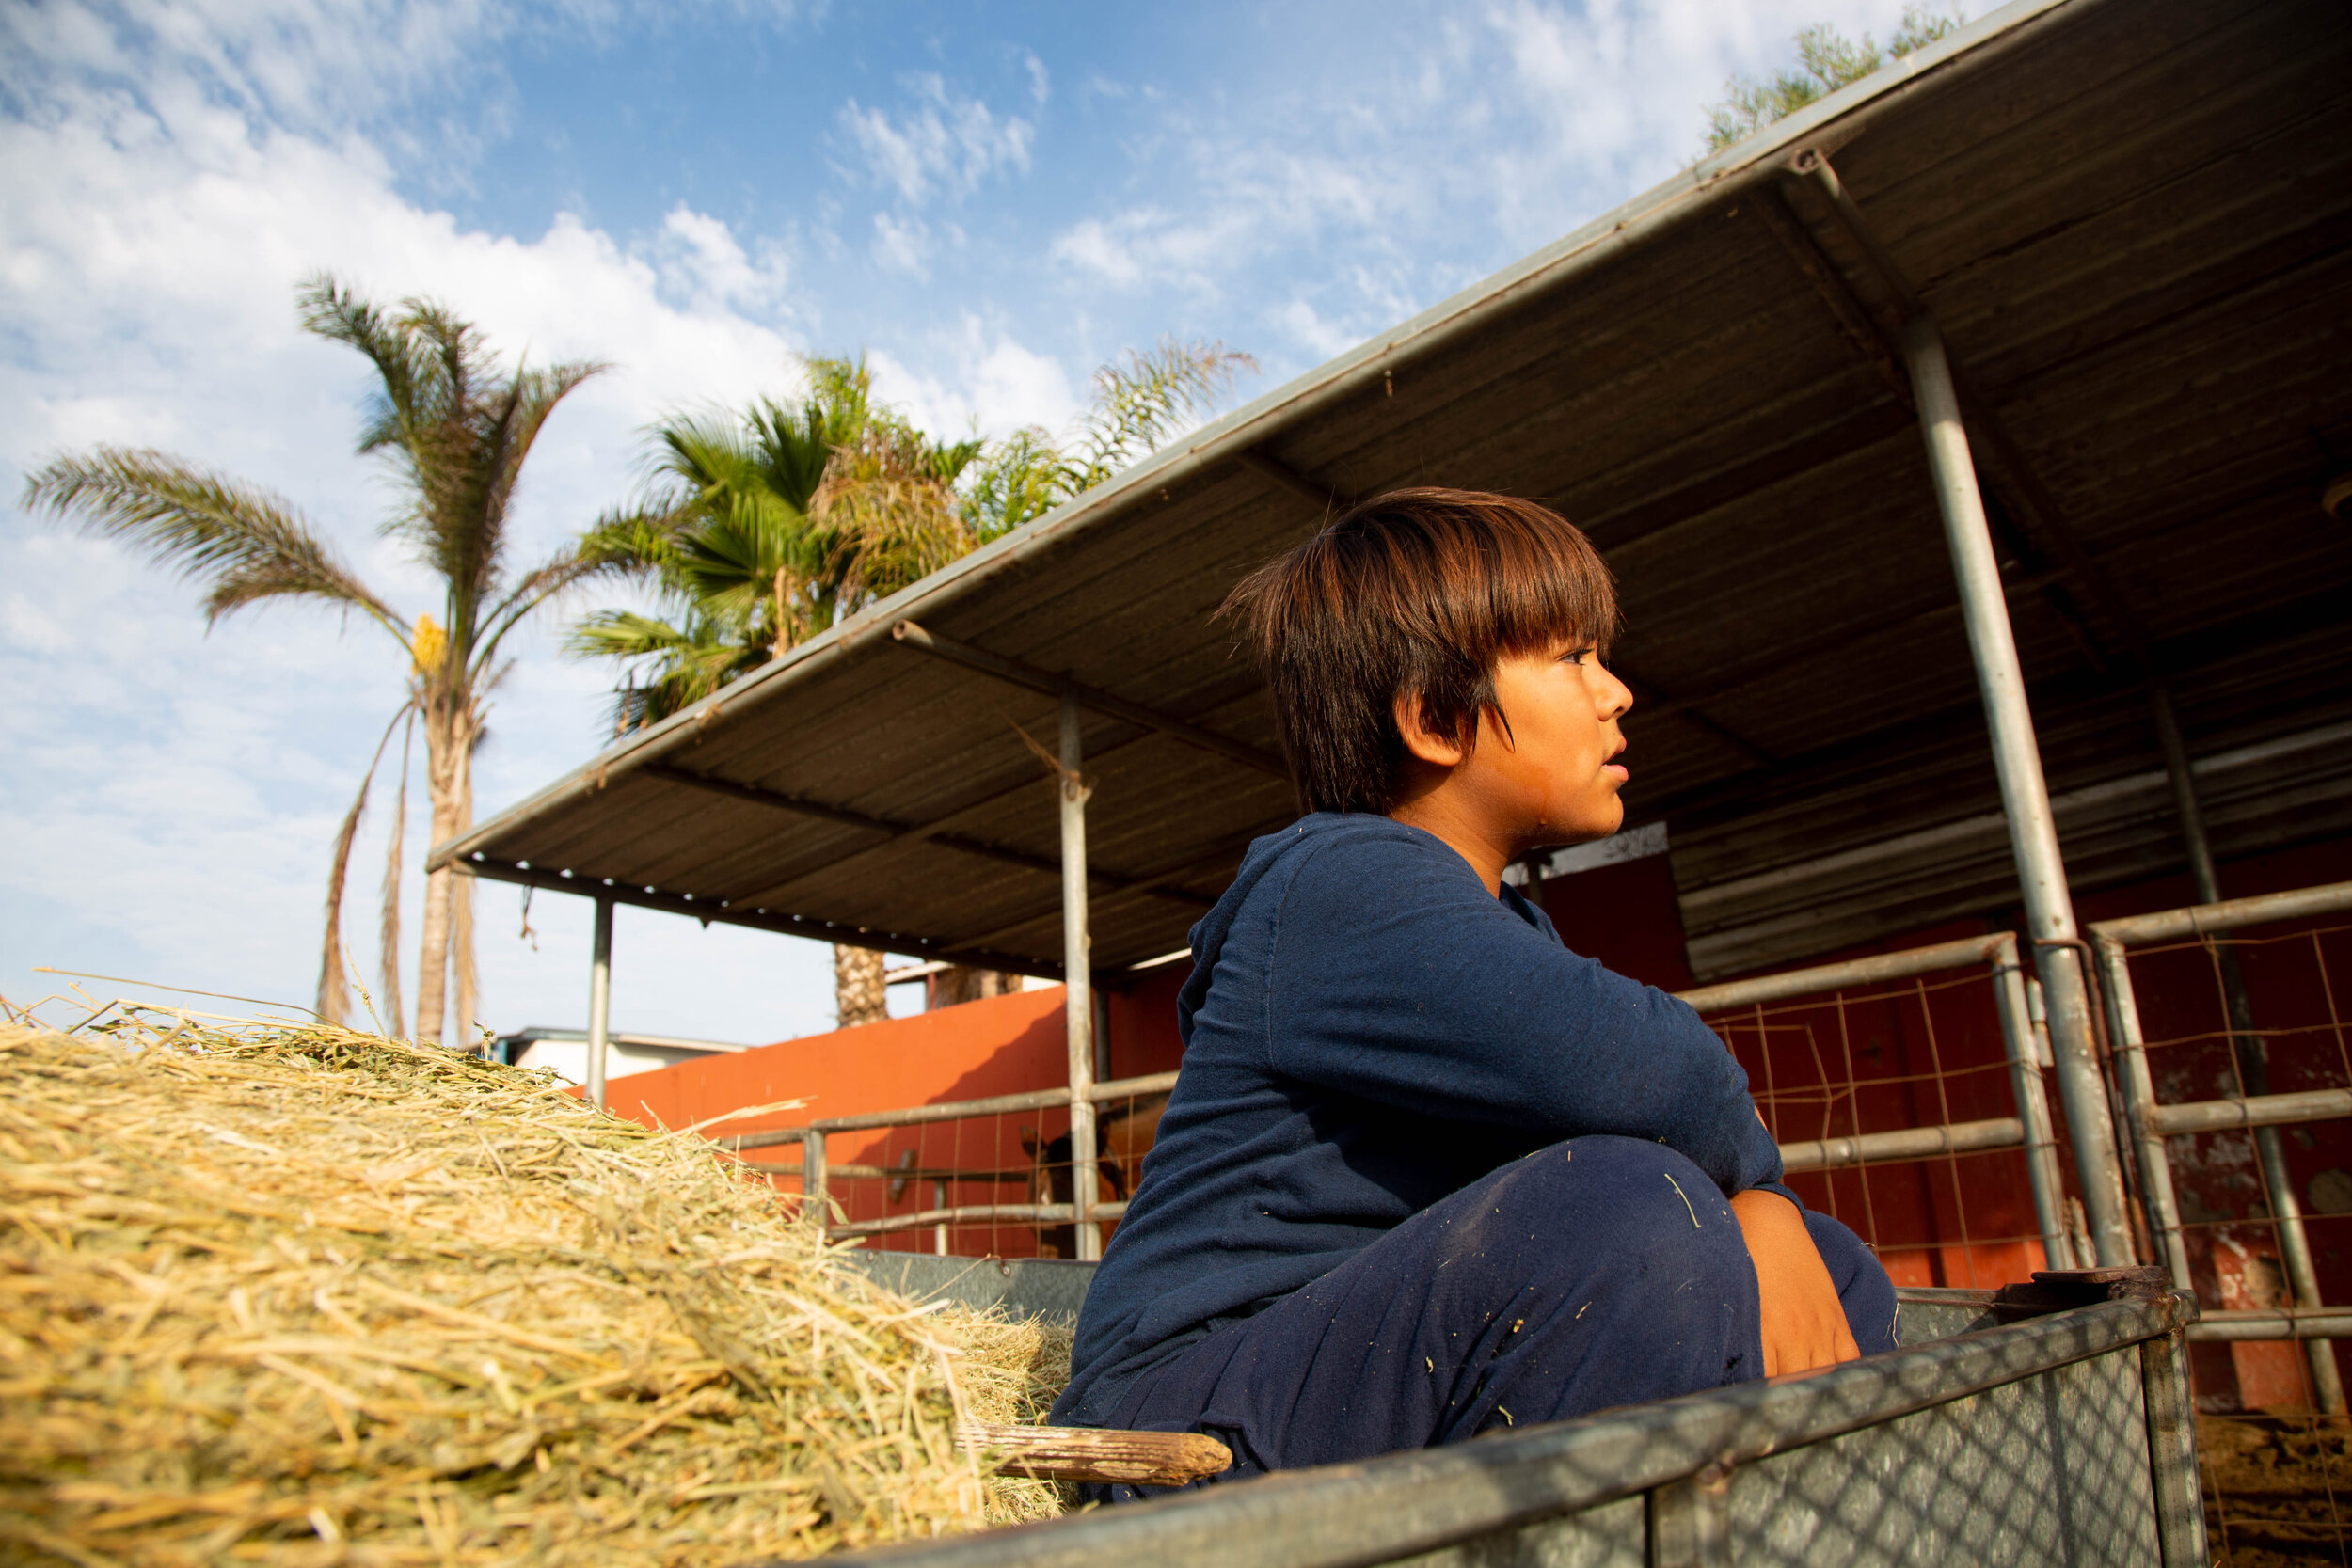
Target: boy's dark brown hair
[(1417, 591)]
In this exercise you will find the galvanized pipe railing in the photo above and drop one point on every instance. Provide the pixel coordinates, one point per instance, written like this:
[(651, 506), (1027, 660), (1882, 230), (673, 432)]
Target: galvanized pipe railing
[(1697, 1458), (2149, 1124), (817, 1173), (2030, 1130)]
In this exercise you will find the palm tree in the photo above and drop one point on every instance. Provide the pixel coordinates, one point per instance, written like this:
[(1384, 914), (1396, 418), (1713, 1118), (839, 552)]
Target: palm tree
[(455, 431), (749, 546), (761, 529), (1141, 400), (1826, 60)]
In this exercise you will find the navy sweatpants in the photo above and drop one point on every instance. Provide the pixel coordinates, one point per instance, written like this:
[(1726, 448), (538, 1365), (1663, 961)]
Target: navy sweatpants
[(1599, 1272)]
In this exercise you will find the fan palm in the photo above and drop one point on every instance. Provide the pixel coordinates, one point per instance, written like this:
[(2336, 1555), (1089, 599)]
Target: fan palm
[(762, 529), (758, 529), (455, 430)]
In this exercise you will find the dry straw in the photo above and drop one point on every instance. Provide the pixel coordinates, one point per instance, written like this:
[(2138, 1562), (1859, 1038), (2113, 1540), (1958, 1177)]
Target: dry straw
[(288, 1295)]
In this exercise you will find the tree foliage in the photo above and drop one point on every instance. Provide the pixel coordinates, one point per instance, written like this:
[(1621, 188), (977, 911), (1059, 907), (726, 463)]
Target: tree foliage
[(455, 428), (1826, 60), (760, 527)]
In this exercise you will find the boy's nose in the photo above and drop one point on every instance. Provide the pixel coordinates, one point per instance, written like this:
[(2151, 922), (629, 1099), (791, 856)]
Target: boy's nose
[(1617, 698)]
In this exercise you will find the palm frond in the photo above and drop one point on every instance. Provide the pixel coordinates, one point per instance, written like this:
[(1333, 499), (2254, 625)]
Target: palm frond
[(890, 521), (250, 545), (1144, 397), (566, 569), (332, 311), (1023, 476), (334, 993), (674, 666), (794, 445), (455, 428), (628, 634), (507, 439), (1826, 60), (634, 542), (388, 952)]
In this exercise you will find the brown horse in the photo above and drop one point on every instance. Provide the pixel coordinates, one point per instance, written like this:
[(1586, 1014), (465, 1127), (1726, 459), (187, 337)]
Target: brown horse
[(1122, 1139)]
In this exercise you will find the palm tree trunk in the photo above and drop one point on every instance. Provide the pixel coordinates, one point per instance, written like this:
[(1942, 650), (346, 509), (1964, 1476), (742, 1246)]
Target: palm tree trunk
[(448, 745), (861, 995), (960, 983), (461, 928)]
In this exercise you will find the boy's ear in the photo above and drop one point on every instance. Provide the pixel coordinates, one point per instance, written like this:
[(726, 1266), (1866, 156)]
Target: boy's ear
[(1438, 751)]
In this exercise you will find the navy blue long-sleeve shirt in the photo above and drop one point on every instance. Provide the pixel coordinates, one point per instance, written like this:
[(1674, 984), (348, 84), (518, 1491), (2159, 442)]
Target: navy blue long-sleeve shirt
[(1366, 1030)]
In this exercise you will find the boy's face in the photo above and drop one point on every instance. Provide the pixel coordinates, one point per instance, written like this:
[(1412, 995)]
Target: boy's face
[(1551, 776)]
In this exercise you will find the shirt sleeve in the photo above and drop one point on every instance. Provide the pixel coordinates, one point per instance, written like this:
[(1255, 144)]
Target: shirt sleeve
[(1395, 976)]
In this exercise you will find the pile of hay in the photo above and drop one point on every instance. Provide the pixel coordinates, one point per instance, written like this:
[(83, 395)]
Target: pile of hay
[(305, 1296)]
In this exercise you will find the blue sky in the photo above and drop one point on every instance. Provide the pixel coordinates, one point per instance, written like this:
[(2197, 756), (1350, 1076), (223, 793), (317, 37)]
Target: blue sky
[(988, 199)]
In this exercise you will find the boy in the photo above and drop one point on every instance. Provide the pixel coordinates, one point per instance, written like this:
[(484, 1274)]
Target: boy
[(1427, 1173)]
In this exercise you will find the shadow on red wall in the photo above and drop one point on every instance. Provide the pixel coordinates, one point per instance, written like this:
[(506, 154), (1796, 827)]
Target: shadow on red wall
[(1909, 1055)]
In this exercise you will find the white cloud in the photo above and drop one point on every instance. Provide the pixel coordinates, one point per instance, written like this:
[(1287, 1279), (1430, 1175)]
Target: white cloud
[(943, 145), (1305, 327), (1534, 116), (174, 169), (1106, 248), (169, 796), (901, 242), (703, 253), (987, 381)]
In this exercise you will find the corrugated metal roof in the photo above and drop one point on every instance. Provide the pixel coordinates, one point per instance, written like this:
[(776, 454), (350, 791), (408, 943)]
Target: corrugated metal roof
[(2131, 220)]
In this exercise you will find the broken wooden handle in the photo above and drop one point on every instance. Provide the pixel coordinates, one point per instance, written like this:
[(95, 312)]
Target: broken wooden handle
[(1097, 1453)]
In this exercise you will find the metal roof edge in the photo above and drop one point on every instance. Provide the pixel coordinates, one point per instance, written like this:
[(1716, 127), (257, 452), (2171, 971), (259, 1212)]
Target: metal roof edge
[(1629, 223)]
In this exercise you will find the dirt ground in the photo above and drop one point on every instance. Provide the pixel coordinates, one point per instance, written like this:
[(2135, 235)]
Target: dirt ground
[(2278, 1490)]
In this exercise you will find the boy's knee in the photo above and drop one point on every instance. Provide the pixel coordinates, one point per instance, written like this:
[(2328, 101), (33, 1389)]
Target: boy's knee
[(1640, 1178), (1863, 1286), (1642, 1195)]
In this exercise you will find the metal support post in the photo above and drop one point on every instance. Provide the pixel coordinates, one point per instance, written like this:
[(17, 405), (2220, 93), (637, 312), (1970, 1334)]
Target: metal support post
[(599, 1000), (816, 1198), (2253, 1064), (2025, 795), (1076, 949), (2033, 1109), (2172, 1446), (2139, 1098)]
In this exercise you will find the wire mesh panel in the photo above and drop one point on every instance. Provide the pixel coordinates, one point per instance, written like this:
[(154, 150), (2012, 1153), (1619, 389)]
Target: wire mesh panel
[(974, 1177), (957, 1187), (2243, 1016), (1834, 1072), (2236, 1067)]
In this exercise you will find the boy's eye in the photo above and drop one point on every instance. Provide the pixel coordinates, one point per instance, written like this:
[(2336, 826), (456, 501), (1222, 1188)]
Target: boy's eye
[(1577, 656)]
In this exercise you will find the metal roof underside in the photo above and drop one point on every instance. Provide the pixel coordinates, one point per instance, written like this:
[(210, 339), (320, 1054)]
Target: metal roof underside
[(2131, 220)]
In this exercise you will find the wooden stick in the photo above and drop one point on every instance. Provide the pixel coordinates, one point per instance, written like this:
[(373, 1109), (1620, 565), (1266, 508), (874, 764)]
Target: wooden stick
[(1094, 1454)]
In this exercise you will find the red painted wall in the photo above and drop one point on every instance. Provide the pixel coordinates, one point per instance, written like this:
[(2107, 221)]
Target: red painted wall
[(1924, 1052)]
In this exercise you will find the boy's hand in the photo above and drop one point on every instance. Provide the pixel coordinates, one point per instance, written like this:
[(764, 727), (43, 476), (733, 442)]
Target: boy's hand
[(1804, 1326)]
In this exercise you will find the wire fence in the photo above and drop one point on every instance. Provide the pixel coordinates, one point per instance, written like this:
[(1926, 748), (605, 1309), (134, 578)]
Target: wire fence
[(2235, 1075), (1903, 1089), (1910, 1097), (1914, 1098), (980, 1177)]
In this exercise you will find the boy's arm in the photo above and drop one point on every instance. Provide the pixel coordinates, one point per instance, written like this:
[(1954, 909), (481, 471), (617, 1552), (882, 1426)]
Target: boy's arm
[(1805, 1324), (1396, 976)]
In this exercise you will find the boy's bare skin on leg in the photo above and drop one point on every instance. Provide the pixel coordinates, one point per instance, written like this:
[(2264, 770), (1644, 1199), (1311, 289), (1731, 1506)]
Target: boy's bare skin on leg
[(1547, 775)]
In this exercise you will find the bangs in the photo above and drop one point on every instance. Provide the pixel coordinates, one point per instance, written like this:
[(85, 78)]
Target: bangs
[(1418, 591)]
